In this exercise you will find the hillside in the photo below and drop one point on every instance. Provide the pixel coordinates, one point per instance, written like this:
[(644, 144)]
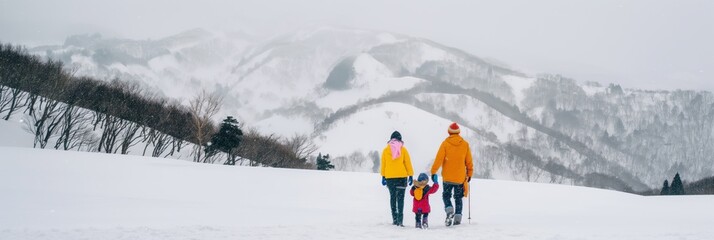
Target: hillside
[(50, 194), (538, 128)]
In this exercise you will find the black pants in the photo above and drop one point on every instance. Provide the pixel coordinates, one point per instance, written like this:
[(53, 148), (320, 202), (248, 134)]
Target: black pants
[(458, 192), (422, 217), (397, 187)]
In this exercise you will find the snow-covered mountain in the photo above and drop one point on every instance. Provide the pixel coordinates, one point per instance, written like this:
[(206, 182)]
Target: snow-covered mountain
[(349, 89), (51, 194), (176, 66)]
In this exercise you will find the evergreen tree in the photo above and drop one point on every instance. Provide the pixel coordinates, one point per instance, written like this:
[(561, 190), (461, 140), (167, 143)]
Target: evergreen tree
[(677, 187), (665, 188), (227, 140), (323, 162)]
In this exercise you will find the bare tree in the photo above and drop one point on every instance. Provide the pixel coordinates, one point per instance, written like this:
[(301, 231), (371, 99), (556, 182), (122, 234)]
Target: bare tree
[(269, 151), (355, 161), (111, 128), (130, 137), (203, 108), (161, 142), (157, 140), (43, 123), (256, 148), (374, 155), (73, 128), (10, 100), (301, 145)]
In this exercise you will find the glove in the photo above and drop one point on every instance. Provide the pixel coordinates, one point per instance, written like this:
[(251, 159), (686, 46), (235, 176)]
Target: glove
[(384, 181), (469, 180), (435, 178), (411, 180)]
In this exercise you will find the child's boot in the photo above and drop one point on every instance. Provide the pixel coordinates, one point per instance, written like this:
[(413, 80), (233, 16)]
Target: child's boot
[(418, 219), (425, 222)]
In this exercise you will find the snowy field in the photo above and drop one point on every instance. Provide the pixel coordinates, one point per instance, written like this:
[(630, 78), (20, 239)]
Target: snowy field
[(47, 194)]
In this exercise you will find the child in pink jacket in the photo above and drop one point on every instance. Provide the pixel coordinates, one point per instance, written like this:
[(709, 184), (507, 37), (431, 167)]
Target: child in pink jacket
[(421, 191)]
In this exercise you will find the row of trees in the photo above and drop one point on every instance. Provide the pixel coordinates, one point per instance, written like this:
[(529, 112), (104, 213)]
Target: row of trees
[(85, 113), (82, 113), (257, 149), (677, 188)]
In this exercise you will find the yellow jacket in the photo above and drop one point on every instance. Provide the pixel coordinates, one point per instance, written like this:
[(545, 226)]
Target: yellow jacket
[(455, 156), (400, 167)]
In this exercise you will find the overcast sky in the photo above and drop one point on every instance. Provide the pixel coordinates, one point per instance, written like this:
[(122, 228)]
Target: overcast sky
[(649, 44)]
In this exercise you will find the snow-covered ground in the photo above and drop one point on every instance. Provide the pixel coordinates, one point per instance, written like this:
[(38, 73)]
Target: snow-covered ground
[(48, 194)]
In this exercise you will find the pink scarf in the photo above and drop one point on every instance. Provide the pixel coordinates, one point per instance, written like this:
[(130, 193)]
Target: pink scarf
[(396, 147)]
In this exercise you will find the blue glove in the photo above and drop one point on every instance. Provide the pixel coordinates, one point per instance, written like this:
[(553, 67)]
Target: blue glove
[(435, 178), (411, 180), (384, 181)]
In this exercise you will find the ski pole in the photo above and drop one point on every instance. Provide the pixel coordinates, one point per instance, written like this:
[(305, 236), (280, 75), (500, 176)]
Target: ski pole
[(470, 194)]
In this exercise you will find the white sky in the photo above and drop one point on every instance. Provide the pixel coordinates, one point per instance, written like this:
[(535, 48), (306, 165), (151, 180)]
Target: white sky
[(651, 44)]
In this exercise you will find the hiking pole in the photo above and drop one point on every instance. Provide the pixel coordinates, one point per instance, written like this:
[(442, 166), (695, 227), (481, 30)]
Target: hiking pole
[(470, 194)]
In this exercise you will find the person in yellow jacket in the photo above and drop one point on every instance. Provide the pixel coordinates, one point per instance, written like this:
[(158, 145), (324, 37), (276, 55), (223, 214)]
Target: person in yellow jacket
[(454, 157), (396, 170)]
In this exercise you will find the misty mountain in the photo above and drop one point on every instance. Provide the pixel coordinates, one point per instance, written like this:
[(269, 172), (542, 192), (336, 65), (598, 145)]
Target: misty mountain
[(174, 66), (348, 89)]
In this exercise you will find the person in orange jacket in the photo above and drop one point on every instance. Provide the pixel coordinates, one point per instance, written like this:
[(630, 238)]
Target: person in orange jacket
[(396, 170), (454, 156)]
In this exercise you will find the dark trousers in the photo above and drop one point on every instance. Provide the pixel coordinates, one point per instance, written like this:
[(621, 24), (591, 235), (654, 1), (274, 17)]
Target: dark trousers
[(422, 217), (397, 187), (458, 192)]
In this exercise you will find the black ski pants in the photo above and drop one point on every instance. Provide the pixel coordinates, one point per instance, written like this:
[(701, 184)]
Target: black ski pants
[(397, 188), (458, 193)]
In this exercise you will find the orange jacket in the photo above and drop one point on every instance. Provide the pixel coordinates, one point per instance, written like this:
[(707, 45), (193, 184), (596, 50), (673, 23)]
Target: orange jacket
[(455, 156), (400, 167)]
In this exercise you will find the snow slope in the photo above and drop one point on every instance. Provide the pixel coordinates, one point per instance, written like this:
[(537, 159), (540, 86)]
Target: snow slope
[(13, 134), (369, 130), (49, 194)]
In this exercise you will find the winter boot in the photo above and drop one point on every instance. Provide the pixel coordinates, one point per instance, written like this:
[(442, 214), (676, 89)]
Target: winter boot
[(457, 219), (425, 222), (449, 216), (400, 218), (418, 224)]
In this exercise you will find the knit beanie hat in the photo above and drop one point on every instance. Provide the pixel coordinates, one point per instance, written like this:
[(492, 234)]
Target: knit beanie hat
[(422, 177), (454, 129), (396, 135)]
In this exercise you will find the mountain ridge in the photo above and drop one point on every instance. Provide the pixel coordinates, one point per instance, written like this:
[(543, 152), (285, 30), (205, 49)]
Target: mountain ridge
[(579, 127)]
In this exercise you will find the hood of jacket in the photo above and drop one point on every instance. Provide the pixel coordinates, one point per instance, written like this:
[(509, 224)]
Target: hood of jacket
[(455, 139)]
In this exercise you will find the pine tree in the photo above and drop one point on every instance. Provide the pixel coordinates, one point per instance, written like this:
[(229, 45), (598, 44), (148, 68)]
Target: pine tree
[(677, 187), (323, 162), (227, 140), (665, 188)]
